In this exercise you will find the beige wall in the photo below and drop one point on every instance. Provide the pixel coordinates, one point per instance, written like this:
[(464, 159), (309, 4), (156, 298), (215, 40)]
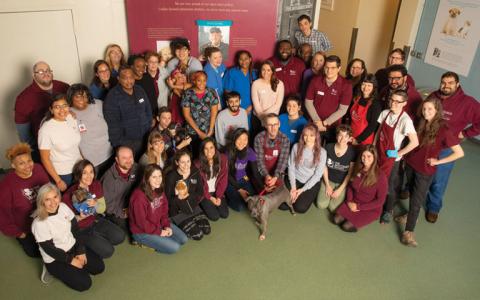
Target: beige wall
[(70, 35), (409, 20), (375, 23), (338, 24)]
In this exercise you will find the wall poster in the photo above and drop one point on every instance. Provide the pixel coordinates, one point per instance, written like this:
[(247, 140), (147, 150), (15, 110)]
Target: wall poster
[(233, 24), (455, 36)]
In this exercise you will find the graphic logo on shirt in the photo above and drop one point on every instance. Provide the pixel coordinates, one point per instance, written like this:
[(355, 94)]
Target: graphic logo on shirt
[(31, 193), (156, 203), (329, 163), (240, 166), (293, 73), (447, 115), (333, 92)]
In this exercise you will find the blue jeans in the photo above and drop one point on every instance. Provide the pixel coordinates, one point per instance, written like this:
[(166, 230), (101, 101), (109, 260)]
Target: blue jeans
[(439, 183), (163, 244), (68, 178), (234, 199)]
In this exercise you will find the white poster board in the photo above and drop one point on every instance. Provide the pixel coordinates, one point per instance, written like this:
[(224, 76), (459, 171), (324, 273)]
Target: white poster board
[(455, 36)]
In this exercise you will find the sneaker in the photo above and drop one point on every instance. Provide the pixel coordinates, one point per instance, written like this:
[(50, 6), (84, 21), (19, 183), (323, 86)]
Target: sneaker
[(46, 277), (386, 217), (402, 219), (408, 239)]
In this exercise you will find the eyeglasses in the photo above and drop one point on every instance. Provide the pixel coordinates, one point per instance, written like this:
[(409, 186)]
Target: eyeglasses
[(63, 106), (43, 72), (103, 71)]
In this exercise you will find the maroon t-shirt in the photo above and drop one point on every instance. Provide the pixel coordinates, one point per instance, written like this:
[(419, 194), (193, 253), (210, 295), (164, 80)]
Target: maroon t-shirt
[(17, 200), (417, 158), (95, 188), (327, 99), (32, 104), (291, 73)]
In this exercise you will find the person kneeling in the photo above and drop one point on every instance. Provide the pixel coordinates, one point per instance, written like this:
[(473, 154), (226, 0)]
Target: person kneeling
[(65, 257), (305, 168)]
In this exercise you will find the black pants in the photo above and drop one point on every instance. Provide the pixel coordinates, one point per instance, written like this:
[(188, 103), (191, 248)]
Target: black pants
[(120, 222), (101, 236), (419, 185), (77, 279), (194, 226), (393, 187), (306, 198), (214, 212), (29, 245)]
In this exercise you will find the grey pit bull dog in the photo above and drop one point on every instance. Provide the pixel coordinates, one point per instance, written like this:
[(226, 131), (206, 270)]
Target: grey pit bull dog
[(261, 206)]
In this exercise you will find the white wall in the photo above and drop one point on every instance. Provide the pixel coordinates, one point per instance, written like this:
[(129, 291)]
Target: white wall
[(69, 35)]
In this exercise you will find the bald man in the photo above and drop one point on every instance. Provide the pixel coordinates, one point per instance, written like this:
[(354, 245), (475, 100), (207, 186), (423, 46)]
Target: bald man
[(32, 103)]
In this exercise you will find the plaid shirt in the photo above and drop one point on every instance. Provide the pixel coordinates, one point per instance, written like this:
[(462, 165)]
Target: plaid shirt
[(318, 40), (282, 162)]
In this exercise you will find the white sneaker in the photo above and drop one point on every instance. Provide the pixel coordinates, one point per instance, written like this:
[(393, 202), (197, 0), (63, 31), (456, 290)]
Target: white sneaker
[(46, 277)]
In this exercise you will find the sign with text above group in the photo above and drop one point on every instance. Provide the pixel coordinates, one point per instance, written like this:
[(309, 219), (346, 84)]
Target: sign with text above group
[(230, 25)]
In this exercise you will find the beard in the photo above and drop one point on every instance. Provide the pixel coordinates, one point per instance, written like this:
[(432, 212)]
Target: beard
[(447, 93)]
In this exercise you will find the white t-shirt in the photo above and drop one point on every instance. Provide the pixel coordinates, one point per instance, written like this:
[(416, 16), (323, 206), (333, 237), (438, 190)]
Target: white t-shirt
[(403, 129), (56, 228), (62, 138)]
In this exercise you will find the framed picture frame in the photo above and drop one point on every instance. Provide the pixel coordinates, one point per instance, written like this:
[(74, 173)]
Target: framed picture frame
[(328, 4)]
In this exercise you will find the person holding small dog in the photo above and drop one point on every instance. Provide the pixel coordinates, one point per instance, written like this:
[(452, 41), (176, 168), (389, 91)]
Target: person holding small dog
[(305, 168), (366, 193), (213, 167), (272, 148), (95, 232), (184, 191)]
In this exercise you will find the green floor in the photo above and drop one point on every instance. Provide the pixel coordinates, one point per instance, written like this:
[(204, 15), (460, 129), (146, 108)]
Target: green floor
[(303, 257)]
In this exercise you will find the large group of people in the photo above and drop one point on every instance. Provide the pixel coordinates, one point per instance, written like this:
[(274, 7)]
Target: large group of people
[(154, 150)]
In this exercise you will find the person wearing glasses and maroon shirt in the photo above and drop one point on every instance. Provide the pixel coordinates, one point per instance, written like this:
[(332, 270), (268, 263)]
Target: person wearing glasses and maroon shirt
[(32, 104), (328, 98)]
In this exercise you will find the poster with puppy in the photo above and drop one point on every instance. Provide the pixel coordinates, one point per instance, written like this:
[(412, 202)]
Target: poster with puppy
[(455, 36)]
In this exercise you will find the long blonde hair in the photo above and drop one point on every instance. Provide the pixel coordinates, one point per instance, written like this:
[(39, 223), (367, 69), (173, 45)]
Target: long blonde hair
[(41, 212), (107, 56)]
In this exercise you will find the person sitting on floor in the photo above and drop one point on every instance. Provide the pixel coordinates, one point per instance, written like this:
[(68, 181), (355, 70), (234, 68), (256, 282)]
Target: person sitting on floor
[(366, 193), (148, 214)]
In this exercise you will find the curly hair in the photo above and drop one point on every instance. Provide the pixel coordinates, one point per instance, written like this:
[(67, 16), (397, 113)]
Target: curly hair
[(17, 150)]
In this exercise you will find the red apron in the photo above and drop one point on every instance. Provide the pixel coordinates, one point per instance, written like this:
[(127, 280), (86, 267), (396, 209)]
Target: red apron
[(358, 115), (271, 155), (385, 142), (271, 158)]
